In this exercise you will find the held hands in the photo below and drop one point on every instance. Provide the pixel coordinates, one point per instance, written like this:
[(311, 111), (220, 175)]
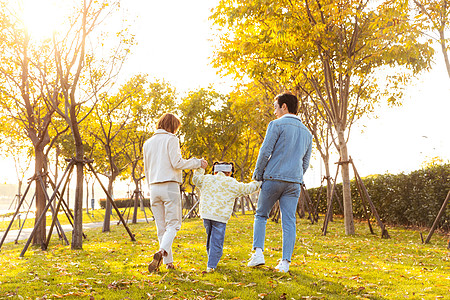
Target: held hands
[(204, 163)]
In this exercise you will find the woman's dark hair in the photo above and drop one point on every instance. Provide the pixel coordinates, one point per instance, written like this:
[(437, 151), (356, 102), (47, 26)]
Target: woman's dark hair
[(290, 100), (223, 163), (168, 122)]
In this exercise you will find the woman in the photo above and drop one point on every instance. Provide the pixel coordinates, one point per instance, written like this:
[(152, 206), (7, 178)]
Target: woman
[(162, 165)]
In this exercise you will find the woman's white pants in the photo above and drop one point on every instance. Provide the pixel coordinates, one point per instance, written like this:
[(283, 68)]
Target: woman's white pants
[(165, 199)]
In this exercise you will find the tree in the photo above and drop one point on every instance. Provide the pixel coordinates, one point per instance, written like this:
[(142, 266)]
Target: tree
[(434, 15), (226, 127), (208, 126), (135, 159), (322, 133), (82, 74), (28, 83), (118, 127), (57, 75), (111, 125), (336, 47)]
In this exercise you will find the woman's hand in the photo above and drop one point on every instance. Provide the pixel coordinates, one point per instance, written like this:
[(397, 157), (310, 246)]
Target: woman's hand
[(204, 163)]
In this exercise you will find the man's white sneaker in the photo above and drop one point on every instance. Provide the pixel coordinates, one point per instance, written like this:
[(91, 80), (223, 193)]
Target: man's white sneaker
[(283, 266), (256, 260)]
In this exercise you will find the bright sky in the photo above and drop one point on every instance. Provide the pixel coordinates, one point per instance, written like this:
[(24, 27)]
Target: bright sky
[(402, 138), (173, 44)]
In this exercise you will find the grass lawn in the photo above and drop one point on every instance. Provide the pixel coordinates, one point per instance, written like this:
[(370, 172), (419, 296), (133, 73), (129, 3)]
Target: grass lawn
[(334, 266)]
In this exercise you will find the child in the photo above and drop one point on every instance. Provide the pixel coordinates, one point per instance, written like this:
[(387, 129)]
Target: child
[(217, 196)]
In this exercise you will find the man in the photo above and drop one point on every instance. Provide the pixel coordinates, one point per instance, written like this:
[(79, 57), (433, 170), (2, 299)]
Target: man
[(283, 159)]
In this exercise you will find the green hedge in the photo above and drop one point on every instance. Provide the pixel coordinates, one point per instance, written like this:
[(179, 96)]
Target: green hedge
[(123, 202), (404, 199)]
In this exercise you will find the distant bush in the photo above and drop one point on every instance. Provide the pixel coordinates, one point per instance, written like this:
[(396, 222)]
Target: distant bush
[(123, 202), (404, 199)]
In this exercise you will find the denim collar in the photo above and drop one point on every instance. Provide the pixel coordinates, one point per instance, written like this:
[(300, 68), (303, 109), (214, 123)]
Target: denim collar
[(288, 115)]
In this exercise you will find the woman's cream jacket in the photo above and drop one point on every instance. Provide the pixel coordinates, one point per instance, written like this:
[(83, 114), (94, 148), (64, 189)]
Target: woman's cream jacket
[(162, 158)]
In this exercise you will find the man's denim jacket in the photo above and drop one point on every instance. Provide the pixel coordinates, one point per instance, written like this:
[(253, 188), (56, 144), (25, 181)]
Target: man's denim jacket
[(285, 152)]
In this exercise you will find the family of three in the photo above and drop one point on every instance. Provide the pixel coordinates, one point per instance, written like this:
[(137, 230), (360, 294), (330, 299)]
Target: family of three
[(283, 159)]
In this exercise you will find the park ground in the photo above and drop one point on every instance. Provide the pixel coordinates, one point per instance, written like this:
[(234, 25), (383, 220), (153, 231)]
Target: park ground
[(335, 266)]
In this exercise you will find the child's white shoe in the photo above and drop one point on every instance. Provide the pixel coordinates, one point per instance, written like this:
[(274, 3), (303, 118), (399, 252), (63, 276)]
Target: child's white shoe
[(209, 270)]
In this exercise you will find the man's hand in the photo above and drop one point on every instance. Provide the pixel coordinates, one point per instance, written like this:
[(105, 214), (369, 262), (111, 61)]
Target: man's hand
[(204, 163)]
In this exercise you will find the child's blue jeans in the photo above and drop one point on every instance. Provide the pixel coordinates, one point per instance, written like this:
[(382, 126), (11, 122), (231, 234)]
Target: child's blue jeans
[(215, 232)]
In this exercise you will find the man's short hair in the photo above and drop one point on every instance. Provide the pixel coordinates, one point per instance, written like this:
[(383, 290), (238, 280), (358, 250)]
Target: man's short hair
[(290, 100), (169, 123)]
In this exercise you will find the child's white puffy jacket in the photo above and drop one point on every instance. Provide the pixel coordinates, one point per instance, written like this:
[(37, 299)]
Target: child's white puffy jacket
[(218, 193)]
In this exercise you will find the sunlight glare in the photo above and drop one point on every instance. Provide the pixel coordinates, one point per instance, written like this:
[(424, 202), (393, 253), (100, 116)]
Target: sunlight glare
[(42, 17)]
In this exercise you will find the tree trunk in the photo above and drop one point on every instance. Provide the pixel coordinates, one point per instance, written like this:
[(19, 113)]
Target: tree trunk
[(93, 195), (301, 207), (40, 236), (326, 162), (136, 201), (68, 191), (108, 206), (348, 210), (329, 187), (19, 194), (57, 153), (87, 197), (77, 234), (142, 204), (444, 51)]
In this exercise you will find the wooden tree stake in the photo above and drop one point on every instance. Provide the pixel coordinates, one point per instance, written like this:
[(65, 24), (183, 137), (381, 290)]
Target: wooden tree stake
[(436, 221), (364, 193)]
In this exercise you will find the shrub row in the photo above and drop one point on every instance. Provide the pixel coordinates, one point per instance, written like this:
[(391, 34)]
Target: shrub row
[(123, 202), (404, 199)]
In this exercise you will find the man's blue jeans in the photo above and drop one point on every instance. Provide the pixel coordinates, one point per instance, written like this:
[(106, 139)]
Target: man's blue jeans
[(288, 194), (215, 232)]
